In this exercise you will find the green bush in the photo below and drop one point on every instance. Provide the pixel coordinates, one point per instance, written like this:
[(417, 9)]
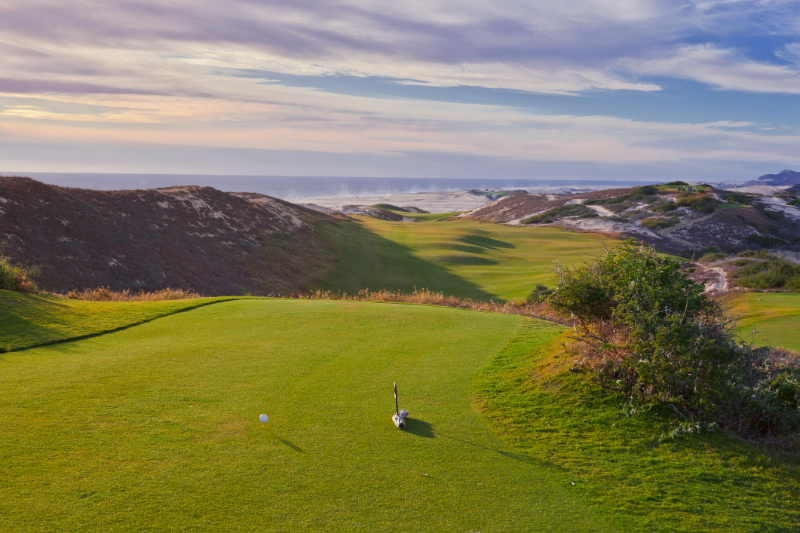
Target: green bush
[(664, 208), (738, 198), (17, 278), (764, 240), (710, 258), (646, 194), (659, 222), (653, 335), (697, 201), (539, 294), (774, 273), (794, 202)]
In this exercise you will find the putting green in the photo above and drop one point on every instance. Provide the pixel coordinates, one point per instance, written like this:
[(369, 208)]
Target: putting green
[(156, 426)]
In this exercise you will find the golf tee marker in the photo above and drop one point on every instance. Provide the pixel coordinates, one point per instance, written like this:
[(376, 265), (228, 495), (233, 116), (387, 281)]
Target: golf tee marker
[(399, 417)]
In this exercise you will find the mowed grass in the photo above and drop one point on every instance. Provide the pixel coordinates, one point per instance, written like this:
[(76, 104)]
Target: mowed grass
[(155, 427), (462, 257), (775, 317), (32, 320), (629, 466)]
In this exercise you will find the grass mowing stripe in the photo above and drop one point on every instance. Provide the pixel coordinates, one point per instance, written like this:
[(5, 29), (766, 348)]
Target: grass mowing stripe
[(708, 482), (155, 427), (35, 320), (465, 258)]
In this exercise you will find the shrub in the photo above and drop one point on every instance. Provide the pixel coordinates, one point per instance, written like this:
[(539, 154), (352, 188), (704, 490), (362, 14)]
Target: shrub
[(539, 294), (646, 194), (794, 202), (17, 278), (738, 198), (699, 202), (659, 222), (774, 273), (653, 335), (764, 240), (663, 208), (711, 257)]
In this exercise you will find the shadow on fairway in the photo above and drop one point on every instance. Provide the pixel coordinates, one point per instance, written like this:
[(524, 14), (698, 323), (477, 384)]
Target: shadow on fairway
[(369, 260), (514, 456), (419, 428), (289, 444)]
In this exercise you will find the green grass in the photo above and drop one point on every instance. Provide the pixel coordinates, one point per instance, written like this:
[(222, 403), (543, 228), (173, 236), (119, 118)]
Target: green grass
[(462, 257), (156, 427), (31, 320), (776, 317), (706, 482)]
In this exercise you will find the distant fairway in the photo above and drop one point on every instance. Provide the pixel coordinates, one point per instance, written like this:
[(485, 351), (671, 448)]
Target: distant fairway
[(465, 258), (156, 427), (775, 316)]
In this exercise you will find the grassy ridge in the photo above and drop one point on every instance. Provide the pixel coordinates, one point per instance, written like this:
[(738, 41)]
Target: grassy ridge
[(776, 317), (155, 427), (465, 258), (707, 482), (32, 320)]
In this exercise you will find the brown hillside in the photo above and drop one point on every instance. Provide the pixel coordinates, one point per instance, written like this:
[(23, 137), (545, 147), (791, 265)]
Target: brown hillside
[(189, 237)]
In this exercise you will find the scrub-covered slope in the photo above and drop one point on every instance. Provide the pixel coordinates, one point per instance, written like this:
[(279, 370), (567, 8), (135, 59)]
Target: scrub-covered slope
[(189, 237)]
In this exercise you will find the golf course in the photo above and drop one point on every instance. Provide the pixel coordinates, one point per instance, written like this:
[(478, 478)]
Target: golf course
[(155, 426), (466, 258)]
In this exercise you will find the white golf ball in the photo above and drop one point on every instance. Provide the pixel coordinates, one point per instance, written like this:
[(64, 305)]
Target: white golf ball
[(263, 418)]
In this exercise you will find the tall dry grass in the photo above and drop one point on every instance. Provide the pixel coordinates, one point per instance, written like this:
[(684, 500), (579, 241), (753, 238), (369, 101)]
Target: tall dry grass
[(427, 297), (103, 294)]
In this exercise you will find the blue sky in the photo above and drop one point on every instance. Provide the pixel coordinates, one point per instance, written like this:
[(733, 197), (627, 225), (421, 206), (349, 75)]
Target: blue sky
[(574, 89)]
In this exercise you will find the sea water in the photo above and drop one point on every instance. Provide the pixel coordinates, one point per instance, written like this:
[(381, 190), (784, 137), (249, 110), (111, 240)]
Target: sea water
[(298, 187)]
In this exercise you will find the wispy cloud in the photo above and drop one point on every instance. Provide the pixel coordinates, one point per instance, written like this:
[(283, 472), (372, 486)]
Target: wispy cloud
[(176, 73)]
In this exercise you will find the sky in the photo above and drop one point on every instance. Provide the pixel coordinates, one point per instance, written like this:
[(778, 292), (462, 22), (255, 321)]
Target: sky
[(583, 89)]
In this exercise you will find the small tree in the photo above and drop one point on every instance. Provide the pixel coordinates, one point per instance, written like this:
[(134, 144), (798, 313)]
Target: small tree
[(655, 336)]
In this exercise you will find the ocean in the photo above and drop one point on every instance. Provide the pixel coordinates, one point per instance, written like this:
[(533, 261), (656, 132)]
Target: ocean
[(298, 187)]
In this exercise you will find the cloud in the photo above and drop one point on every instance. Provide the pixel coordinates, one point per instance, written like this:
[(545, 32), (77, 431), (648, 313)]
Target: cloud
[(171, 72), (724, 69)]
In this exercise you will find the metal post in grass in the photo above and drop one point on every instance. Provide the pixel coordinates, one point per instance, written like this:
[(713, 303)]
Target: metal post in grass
[(399, 417)]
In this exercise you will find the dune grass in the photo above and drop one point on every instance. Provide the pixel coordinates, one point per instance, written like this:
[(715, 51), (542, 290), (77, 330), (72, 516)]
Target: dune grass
[(465, 258), (775, 316), (32, 319), (629, 466), (156, 427)]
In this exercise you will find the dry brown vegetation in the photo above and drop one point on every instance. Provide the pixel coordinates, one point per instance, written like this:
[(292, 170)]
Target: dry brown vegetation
[(427, 297), (103, 294)]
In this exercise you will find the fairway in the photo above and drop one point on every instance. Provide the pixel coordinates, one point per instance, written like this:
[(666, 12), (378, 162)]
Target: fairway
[(775, 316), (156, 426), (464, 258)]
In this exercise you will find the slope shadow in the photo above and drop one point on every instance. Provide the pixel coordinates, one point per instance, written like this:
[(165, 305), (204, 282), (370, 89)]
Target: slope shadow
[(484, 242), (367, 260)]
